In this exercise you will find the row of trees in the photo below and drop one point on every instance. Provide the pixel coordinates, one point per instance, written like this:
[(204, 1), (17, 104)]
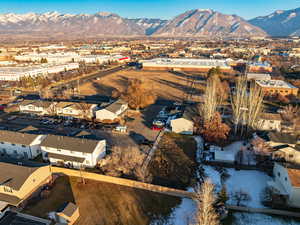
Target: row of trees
[(246, 104)]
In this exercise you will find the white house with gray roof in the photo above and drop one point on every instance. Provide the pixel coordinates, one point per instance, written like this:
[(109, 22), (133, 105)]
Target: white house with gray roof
[(112, 111), (73, 152), (185, 123), (20, 145)]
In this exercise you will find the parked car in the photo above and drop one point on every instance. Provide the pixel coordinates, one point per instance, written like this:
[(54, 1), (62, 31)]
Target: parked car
[(156, 128), (158, 123), (121, 129)]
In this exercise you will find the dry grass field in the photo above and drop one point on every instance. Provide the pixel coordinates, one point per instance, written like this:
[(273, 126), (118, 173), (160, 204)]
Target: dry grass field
[(105, 204), (165, 85)]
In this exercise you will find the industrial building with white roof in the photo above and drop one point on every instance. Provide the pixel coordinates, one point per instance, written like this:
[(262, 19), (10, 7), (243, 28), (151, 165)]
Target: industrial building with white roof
[(185, 64)]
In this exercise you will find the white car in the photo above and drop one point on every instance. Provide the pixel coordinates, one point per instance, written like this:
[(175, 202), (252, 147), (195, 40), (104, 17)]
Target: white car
[(158, 123)]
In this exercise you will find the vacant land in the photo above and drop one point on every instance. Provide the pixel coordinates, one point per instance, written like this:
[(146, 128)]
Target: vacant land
[(106, 204), (165, 85), (174, 162)]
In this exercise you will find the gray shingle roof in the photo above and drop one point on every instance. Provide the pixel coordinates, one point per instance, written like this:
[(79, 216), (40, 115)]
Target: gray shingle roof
[(17, 137), (70, 143), (14, 176), (190, 112), (115, 106)]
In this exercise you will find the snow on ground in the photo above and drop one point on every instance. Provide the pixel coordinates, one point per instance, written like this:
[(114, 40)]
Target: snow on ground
[(261, 219), (251, 181), (213, 176), (182, 214)]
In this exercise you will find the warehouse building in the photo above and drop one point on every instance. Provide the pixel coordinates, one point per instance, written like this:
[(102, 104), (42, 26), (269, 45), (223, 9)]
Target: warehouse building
[(17, 72), (201, 65), (271, 87)]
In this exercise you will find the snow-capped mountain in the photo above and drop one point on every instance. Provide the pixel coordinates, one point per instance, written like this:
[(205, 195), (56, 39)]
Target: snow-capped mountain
[(204, 22), (55, 24), (198, 22), (150, 25), (279, 23)]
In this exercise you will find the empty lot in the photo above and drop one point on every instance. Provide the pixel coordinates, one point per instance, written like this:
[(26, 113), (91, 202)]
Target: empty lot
[(165, 85)]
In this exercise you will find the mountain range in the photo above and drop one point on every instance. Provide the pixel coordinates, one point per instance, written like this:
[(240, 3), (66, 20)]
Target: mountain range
[(279, 23), (192, 23)]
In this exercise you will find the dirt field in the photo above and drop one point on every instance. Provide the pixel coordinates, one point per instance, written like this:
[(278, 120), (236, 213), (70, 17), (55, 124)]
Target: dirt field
[(165, 85), (106, 204)]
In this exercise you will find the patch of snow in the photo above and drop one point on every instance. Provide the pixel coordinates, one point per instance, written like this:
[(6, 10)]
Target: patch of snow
[(261, 219), (291, 16), (214, 176), (251, 181)]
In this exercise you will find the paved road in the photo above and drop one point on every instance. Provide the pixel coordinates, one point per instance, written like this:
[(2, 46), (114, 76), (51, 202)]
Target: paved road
[(73, 83)]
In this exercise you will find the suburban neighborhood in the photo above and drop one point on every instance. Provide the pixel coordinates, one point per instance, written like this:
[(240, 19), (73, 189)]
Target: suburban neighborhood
[(107, 120)]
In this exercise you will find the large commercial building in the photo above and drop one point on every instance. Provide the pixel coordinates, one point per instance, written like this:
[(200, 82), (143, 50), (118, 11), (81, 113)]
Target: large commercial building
[(17, 72), (271, 87), (202, 65), (66, 57)]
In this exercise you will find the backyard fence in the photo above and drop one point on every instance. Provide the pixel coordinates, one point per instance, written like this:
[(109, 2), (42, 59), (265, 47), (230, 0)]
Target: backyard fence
[(123, 182)]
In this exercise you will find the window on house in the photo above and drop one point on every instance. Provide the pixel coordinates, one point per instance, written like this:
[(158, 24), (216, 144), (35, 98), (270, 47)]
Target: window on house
[(7, 189), (2, 142), (285, 178), (87, 162), (291, 155), (58, 150), (278, 174), (13, 144), (23, 146)]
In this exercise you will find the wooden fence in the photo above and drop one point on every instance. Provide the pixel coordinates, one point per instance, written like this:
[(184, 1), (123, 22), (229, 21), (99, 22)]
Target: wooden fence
[(123, 182)]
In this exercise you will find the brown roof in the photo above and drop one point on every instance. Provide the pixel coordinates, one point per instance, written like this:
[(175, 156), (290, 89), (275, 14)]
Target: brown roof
[(294, 176), (69, 209), (12, 200), (270, 116), (70, 143), (66, 157), (14, 176), (38, 103), (17, 137), (282, 138)]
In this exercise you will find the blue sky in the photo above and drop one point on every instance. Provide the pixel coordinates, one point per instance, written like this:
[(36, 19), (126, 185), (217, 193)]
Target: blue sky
[(165, 9)]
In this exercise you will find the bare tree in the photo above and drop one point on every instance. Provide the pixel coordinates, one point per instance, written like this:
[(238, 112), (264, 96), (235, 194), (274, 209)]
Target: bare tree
[(205, 197), (126, 161), (240, 197), (209, 108), (246, 105), (290, 113), (137, 95)]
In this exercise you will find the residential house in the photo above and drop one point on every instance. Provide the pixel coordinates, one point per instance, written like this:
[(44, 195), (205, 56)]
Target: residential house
[(112, 111), (286, 184), (75, 109), (269, 121), (285, 147), (37, 107), (16, 218), (68, 214), (18, 182), (20, 145), (73, 152), (185, 123)]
